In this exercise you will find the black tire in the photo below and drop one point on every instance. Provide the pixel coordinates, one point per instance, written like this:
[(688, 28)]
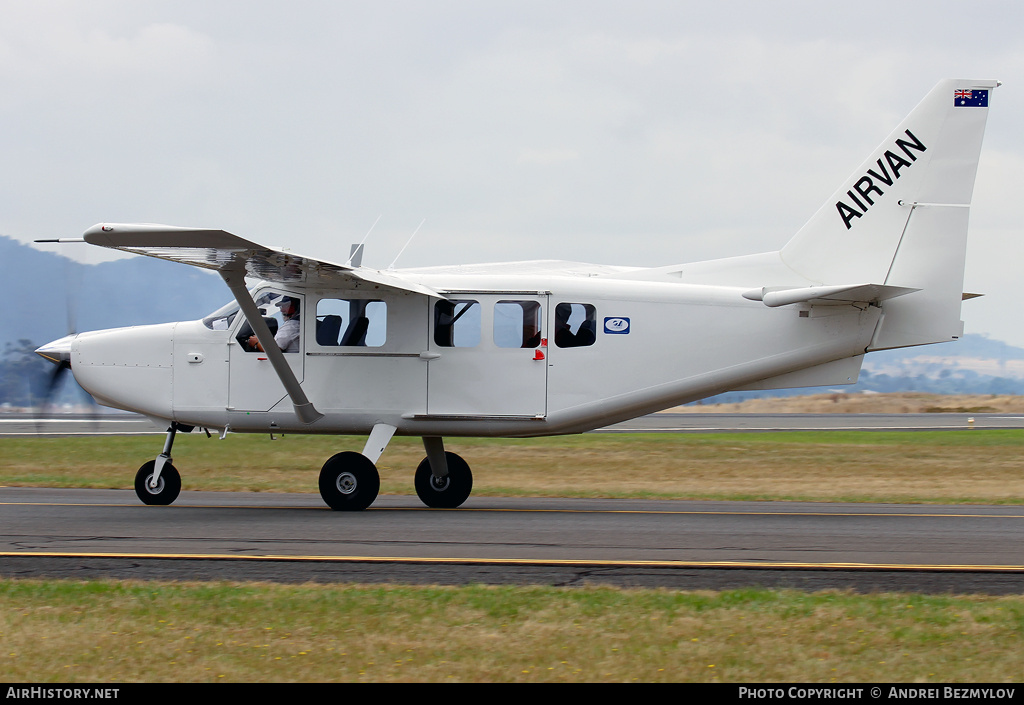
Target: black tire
[(167, 489), (449, 493), (349, 482)]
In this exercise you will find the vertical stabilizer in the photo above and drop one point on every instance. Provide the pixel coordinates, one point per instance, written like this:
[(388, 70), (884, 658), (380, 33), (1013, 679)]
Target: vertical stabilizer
[(901, 218)]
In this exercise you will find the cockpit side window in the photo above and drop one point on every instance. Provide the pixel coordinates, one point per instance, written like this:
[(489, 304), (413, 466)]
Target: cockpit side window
[(282, 314)]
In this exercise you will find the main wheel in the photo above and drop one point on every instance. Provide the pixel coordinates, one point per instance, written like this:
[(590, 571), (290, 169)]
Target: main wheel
[(349, 482), (447, 492), (167, 488)]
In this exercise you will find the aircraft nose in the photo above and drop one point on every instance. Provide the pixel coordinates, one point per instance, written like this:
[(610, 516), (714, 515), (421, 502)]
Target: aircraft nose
[(59, 351)]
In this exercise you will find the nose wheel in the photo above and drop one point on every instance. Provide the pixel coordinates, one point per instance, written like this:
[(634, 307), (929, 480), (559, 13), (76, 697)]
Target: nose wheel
[(168, 485), (158, 482)]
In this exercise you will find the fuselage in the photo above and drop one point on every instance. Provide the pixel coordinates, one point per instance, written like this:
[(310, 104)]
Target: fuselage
[(503, 355)]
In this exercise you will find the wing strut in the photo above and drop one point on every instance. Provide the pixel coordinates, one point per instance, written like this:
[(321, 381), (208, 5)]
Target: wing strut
[(235, 279)]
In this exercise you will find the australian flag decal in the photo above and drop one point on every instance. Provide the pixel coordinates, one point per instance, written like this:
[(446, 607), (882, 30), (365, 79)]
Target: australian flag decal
[(977, 98)]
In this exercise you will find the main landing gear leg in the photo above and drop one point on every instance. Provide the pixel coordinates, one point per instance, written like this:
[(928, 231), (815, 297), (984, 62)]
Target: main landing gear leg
[(158, 482), (443, 479)]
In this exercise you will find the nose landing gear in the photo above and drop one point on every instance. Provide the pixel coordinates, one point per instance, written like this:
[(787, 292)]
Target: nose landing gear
[(168, 484), (158, 482)]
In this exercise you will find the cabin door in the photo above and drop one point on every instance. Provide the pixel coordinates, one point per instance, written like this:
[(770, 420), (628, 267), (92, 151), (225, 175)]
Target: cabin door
[(488, 355), (364, 353), (253, 384)]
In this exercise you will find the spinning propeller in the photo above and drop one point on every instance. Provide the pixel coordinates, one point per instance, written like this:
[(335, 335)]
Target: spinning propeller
[(59, 351)]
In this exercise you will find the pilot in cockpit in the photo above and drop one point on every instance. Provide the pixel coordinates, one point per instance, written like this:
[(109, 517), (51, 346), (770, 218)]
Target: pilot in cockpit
[(287, 336)]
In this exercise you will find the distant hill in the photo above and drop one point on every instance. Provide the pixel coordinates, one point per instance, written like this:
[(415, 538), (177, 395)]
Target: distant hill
[(976, 364), (971, 346), (134, 291), (39, 287)]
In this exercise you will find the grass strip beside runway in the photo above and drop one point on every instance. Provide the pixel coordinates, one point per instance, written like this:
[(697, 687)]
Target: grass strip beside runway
[(106, 631), (978, 466)]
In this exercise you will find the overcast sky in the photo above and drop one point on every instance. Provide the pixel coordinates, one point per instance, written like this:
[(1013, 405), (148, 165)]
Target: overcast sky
[(641, 133)]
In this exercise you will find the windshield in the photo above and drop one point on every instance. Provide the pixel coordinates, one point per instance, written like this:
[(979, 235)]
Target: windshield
[(222, 318)]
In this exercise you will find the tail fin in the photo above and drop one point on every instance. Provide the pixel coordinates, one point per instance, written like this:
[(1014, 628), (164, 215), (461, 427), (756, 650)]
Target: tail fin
[(901, 218)]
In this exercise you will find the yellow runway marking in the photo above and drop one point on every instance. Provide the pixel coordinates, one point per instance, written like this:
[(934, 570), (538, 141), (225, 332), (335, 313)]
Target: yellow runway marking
[(528, 561)]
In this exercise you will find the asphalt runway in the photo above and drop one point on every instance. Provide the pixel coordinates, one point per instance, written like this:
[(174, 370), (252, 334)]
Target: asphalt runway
[(631, 543)]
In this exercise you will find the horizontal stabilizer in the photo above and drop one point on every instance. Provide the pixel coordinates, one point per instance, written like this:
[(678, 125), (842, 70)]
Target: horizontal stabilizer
[(865, 293)]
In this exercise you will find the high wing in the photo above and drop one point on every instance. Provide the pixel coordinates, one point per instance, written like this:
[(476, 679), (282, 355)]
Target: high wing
[(221, 251)]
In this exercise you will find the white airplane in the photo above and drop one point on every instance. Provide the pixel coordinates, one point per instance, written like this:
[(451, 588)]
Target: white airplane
[(547, 347)]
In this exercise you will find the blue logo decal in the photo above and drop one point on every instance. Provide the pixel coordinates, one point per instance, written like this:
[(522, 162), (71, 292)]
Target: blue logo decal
[(619, 326)]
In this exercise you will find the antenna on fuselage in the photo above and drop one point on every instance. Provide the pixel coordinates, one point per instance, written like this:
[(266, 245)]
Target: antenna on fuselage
[(355, 257), (392, 265)]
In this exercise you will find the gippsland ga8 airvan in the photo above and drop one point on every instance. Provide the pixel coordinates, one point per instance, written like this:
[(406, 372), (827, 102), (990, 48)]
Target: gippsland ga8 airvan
[(544, 347)]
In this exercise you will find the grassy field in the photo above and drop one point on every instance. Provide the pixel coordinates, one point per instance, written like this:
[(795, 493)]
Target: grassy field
[(938, 467), (122, 632)]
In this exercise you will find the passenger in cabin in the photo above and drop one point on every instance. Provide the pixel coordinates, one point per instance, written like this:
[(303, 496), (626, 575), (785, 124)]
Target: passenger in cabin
[(287, 336), (531, 334), (583, 317), (564, 337)]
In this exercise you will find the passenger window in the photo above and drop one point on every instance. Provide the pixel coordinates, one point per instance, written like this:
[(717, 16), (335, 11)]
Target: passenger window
[(517, 324), (351, 322), (575, 325), (457, 323)]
